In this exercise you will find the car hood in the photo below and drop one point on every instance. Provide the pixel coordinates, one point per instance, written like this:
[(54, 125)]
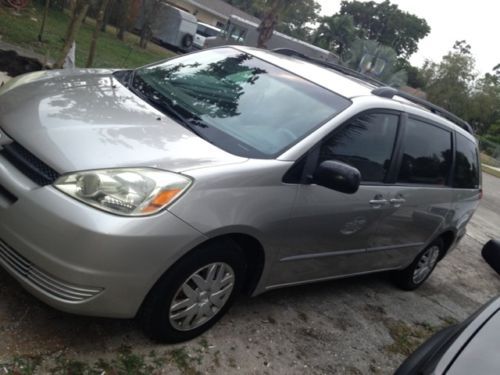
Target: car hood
[(85, 119)]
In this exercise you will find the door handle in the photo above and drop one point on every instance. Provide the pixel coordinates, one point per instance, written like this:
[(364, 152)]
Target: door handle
[(377, 203), (397, 202)]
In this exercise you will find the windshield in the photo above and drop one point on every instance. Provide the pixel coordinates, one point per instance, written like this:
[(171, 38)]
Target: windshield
[(207, 31), (238, 102)]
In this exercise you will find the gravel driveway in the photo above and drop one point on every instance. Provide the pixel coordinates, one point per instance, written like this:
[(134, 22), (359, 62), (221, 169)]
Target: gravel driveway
[(354, 326)]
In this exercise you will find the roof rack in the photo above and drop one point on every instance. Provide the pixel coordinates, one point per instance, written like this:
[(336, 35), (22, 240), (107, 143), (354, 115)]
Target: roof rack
[(390, 92), (331, 65)]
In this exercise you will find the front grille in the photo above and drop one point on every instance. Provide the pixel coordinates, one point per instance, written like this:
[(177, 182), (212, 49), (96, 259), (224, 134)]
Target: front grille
[(27, 271), (35, 169)]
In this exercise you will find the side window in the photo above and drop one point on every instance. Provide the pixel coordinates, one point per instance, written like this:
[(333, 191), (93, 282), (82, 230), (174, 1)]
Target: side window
[(365, 143), (202, 30), (466, 164), (426, 154)]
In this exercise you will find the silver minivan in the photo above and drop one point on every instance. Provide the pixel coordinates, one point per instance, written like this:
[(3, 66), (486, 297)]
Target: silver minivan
[(165, 191)]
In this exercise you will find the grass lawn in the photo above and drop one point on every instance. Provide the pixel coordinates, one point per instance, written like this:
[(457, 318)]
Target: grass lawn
[(491, 171), (22, 29), (486, 159)]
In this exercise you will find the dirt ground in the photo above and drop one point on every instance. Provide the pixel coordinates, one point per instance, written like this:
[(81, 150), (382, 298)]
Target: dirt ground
[(354, 326)]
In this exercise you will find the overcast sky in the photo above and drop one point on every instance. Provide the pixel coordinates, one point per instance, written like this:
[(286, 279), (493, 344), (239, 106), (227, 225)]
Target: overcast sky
[(477, 21)]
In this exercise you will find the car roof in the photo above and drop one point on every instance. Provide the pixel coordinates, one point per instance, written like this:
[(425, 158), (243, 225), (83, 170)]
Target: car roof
[(347, 86)]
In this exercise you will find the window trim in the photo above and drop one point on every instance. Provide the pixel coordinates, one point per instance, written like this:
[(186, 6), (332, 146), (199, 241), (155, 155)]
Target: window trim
[(478, 161), (312, 155), (449, 178), (397, 157)]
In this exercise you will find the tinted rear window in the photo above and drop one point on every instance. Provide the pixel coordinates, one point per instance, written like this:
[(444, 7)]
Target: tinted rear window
[(426, 154), (466, 165)]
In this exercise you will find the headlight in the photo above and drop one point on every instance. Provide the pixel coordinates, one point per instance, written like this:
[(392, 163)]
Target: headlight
[(128, 192)]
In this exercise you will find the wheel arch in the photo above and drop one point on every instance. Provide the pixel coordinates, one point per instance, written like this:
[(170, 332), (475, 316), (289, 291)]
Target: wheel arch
[(251, 247), (448, 237), (255, 258), (255, 255)]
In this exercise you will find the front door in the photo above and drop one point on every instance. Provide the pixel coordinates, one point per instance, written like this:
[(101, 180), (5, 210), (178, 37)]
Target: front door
[(329, 232)]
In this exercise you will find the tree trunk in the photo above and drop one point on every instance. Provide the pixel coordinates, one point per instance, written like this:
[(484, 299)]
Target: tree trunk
[(123, 20), (80, 10), (149, 18), (98, 22), (72, 9), (107, 13), (44, 18), (269, 22)]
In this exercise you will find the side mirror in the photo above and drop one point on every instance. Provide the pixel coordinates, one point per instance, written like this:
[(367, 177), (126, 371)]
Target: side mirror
[(337, 176)]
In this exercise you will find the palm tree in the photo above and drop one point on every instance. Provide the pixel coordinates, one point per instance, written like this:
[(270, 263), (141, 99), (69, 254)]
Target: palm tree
[(336, 33), (270, 20)]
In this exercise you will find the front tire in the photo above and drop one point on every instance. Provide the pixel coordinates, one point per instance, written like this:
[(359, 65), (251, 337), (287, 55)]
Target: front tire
[(195, 293), (187, 41), (421, 268)]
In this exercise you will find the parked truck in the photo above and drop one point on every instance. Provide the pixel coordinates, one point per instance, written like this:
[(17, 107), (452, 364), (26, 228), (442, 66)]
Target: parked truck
[(171, 26)]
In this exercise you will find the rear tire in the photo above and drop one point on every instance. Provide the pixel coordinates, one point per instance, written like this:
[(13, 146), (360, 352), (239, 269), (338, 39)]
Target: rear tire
[(194, 294), (421, 268)]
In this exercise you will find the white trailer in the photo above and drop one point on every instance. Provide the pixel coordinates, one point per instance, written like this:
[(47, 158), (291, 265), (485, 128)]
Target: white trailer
[(241, 31), (171, 26)]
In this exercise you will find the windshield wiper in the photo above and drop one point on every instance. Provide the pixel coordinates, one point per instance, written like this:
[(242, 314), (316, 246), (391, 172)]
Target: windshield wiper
[(123, 76), (191, 123), (131, 77)]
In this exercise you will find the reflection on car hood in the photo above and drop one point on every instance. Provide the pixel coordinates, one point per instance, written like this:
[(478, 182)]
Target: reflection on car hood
[(85, 119)]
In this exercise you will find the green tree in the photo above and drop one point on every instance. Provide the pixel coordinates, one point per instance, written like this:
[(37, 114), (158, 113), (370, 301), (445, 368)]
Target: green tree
[(454, 84), (336, 33), (387, 24), (450, 83), (493, 133), (292, 17), (485, 105), (415, 75), (297, 18)]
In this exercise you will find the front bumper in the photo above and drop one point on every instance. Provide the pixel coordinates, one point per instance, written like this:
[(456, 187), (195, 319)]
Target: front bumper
[(79, 259)]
